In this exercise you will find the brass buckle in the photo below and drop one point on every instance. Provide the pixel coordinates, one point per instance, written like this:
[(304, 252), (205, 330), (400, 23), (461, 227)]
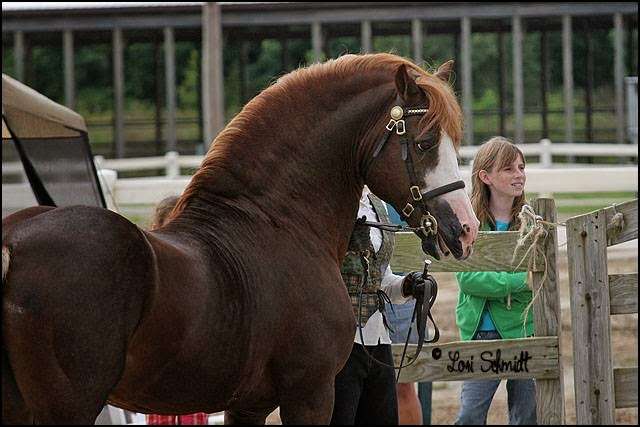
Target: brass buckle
[(391, 125), (429, 224), (408, 210), (415, 192), (398, 124)]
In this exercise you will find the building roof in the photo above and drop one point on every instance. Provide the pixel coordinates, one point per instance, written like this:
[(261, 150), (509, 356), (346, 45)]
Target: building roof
[(47, 5), (40, 17)]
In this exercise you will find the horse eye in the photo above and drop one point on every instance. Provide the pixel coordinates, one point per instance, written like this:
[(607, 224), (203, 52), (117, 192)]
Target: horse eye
[(426, 144)]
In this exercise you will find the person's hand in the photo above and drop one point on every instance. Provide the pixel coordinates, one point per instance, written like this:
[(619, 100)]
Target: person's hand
[(413, 285)]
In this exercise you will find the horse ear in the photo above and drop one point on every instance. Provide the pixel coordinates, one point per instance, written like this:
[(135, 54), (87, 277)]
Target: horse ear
[(406, 84), (444, 71)]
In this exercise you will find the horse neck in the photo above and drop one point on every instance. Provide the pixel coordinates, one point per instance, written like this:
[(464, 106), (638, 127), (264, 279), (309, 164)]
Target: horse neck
[(297, 164)]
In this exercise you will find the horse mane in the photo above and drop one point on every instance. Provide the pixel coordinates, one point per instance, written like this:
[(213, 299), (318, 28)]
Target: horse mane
[(444, 110)]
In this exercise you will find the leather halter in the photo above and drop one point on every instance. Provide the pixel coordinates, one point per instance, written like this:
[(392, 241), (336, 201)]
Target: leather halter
[(428, 225)]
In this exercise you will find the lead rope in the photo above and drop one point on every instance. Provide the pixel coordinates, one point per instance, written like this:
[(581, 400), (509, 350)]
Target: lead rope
[(425, 312)]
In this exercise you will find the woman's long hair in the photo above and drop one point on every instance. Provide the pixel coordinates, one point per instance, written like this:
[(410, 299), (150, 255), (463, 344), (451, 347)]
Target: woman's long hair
[(497, 152)]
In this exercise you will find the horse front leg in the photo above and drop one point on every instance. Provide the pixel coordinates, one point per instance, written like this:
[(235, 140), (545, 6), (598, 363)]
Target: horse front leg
[(310, 403), (243, 417)]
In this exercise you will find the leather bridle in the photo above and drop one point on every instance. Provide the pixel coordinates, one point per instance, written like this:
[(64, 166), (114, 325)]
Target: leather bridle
[(427, 229), (428, 225)]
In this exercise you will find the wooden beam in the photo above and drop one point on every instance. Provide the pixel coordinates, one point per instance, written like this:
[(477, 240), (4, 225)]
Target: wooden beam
[(547, 317), (518, 81), (365, 36), (623, 293), (417, 42), (285, 57), (118, 92), (590, 319), (170, 88), (317, 41), (285, 14), (489, 359), (493, 251), (626, 386), (244, 70), (544, 81), (502, 82), (18, 54), (567, 71), (212, 73), (158, 91), (588, 92), (618, 75), (467, 90), (629, 230), (69, 70)]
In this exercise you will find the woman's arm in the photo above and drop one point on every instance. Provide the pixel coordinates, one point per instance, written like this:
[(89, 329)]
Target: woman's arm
[(392, 286), (491, 284)]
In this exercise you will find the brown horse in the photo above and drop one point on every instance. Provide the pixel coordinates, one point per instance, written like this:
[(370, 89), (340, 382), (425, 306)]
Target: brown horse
[(237, 303)]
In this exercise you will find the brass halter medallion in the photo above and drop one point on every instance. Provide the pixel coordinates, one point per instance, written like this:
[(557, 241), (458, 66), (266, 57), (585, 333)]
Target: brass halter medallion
[(397, 112)]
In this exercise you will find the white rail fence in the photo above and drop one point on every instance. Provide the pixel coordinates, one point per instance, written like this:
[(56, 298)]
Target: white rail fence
[(172, 162), (544, 178), (150, 190)]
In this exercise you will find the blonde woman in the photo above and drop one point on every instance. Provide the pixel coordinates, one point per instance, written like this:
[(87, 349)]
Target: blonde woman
[(491, 304)]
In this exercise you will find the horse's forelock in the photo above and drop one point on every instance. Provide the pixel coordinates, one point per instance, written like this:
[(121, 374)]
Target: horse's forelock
[(444, 109)]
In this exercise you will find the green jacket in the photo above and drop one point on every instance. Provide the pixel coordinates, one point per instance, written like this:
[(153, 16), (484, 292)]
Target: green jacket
[(506, 296)]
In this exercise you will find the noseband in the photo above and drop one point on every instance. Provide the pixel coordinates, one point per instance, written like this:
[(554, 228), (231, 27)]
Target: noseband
[(428, 225)]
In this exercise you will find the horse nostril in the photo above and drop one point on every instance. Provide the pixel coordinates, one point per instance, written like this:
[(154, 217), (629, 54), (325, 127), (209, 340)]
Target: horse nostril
[(466, 228)]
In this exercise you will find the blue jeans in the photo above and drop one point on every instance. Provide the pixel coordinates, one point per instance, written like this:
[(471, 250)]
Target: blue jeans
[(399, 318), (476, 396)]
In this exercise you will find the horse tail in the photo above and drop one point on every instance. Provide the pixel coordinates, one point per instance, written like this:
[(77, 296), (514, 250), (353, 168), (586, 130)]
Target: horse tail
[(5, 263)]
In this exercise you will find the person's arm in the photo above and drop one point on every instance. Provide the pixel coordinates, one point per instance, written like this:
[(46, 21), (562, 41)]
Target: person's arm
[(491, 284), (392, 286)]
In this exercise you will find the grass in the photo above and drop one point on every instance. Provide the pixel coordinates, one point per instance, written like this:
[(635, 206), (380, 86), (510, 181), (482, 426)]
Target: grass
[(626, 195), (140, 214), (572, 204)]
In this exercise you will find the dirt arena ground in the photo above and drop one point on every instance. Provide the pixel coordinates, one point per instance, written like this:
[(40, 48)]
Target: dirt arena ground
[(445, 398)]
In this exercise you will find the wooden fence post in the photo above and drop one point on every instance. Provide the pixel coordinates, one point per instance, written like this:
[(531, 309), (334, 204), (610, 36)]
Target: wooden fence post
[(590, 318), (547, 318)]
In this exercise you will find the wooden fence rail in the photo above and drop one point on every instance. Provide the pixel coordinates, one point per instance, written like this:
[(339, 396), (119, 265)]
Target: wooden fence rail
[(595, 296), (538, 357)]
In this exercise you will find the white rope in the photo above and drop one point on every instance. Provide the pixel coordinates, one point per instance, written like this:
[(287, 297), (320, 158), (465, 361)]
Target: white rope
[(532, 228), (615, 227)]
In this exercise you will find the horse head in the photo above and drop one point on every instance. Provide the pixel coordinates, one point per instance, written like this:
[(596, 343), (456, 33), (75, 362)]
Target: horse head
[(413, 163)]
